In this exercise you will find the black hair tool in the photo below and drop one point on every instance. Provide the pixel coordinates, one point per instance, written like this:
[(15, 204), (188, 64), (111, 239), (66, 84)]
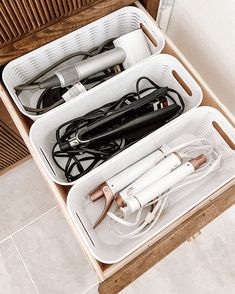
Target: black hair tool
[(89, 140), (150, 121)]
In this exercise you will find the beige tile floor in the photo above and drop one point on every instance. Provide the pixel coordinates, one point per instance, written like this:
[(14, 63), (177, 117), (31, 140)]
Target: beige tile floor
[(39, 254)]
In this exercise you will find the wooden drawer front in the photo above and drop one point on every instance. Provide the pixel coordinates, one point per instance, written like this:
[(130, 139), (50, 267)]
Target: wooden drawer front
[(12, 46), (20, 17), (12, 148), (117, 276)]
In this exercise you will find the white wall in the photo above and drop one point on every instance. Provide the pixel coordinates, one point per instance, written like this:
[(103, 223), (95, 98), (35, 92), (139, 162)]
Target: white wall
[(204, 30)]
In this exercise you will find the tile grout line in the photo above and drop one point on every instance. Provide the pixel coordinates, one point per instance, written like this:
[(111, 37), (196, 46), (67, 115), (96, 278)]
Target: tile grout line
[(91, 288), (24, 264), (30, 223), (5, 239)]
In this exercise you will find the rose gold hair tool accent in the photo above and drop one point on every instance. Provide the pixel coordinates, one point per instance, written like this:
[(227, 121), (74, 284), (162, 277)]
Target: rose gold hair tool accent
[(118, 182), (105, 191)]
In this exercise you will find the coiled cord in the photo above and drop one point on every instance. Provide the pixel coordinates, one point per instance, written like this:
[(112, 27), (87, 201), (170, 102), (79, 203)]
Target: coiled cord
[(76, 161), (32, 83), (186, 150)]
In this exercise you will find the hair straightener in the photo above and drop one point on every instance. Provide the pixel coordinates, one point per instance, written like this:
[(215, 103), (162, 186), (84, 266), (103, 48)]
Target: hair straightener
[(90, 140)]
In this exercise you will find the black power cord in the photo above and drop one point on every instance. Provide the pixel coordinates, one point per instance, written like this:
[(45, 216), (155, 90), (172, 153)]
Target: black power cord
[(52, 97), (87, 141)]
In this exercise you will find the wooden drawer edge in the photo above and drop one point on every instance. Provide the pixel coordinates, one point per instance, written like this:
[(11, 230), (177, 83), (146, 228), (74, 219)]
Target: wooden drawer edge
[(173, 227), (56, 30), (160, 249), (13, 165)]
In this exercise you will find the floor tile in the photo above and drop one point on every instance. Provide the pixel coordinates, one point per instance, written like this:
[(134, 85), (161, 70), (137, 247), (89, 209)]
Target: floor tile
[(24, 196), (13, 276), (92, 290), (205, 265), (53, 256)]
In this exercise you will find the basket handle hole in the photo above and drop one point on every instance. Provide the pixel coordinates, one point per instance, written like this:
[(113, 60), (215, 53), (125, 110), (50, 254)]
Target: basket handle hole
[(182, 83), (47, 160), (223, 135), (149, 35)]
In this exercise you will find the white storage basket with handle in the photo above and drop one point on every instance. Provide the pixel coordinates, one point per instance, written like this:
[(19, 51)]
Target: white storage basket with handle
[(114, 25), (161, 68), (200, 122)]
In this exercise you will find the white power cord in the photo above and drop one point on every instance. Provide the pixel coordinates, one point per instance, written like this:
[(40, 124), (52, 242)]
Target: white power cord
[(186, 150)]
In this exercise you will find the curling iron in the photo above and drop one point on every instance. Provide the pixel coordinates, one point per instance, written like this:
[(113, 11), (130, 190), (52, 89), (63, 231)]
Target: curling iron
[(164, 167), (147, 173), (155, 196), (131, 181), (118, 182), (150, 169), (160, 186)]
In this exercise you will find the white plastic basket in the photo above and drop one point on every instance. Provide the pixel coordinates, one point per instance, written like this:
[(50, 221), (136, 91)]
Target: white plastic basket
[(159, 68), (113, 25), (197, 123)]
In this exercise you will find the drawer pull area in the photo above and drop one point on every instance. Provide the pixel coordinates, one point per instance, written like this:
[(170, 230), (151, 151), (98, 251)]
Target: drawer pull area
[(88, 235), (182, 83), (48, 162), (149, 35), (222, 133)]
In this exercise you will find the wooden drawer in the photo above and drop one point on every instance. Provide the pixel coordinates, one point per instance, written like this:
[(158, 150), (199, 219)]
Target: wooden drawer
[(115, 277), (12, 148)]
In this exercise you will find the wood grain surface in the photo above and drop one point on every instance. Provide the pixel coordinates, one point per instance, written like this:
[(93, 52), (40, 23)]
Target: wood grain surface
[(20, 17), (12, 147), (47, 12)]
